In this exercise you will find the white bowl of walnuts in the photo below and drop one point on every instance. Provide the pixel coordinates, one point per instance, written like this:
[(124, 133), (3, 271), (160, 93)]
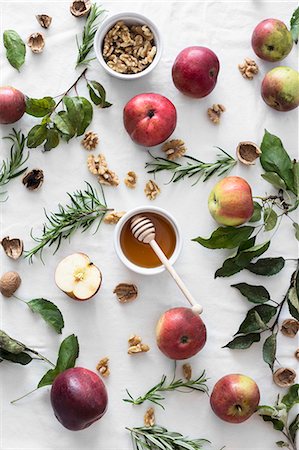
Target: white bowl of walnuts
[(128, 45)]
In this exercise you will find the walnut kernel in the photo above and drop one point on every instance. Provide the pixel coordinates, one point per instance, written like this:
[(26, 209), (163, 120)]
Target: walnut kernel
[(284, 377), (97, 165), (131, 179), (149, 417), (36, 42), (136, 345), (126, 292), (187, 371), (113, 217), (103, 367), (80, 8), (214, 113), (248, 152), (248, 68), (151, 190), (290, 327), (44, 20), (12, 247), (90, 140), (174, 149), (33, 179), (9, 283)]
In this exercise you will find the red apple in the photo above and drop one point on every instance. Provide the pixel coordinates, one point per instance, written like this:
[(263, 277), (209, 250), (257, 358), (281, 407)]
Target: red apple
[(280, 88), (149, 119), (79, 398), (195, 71), (271, 40), (180, 333), (12, 104), (230, 202), (235, 398)]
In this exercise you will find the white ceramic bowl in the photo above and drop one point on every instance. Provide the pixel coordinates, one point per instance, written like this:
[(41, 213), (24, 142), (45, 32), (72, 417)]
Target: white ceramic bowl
[(130, 18), (120, 253)]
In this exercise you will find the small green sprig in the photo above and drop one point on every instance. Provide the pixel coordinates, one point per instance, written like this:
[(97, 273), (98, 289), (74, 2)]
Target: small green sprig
[(156, 437), (154, 396), (13, 167), (89, 31), (84, 209), (193, 167)]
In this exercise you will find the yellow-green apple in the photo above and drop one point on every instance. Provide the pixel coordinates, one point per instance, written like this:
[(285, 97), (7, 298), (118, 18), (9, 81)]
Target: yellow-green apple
[(195, 71), (271, 40), (149, 119), (230, 202), (180, 333), (77, 277), (280, 88), (235, 398), (12, 104), (78, 398)]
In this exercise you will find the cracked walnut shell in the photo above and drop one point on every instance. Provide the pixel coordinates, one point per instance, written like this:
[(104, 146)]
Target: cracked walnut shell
[(151, 190), (290, 327), (103, 367), (80, 8), (149, 417), (90, 140), (36, 42), (113, 217), (296, 354), (12, 247), (97, 165), (131, 179), (284, 377), (248, 69), (214, 113), (9, 283), (126, 292), (33, 179), (187, 371), (44, 20), (174, 149), (248, 152)]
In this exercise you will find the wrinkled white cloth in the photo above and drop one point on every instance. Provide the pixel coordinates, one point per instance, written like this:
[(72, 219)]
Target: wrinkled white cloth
[(102, 324)]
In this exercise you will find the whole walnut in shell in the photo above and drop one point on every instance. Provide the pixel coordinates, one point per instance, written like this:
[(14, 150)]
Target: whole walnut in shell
[(9, 283)]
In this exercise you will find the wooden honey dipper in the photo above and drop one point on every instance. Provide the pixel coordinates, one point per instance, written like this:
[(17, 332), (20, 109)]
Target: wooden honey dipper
[(144, 230)]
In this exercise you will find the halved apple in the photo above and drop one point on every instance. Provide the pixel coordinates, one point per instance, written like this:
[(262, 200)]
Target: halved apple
[(77, 277)]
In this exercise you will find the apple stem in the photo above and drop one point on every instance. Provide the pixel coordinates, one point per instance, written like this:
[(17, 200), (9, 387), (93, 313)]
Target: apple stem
[(23, 396), (40, 356)]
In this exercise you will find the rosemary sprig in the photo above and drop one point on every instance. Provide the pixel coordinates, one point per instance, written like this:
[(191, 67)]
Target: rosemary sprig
[(88, 35), (13, 167), (83, 210), (175, 385), (192, 167), (156, 437)]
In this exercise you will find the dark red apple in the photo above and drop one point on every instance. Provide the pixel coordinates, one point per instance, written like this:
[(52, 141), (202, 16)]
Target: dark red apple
[(180, 333), (78, 398), (271, 40), (195, 71), (12, 104), (149, 119), (235, 398)]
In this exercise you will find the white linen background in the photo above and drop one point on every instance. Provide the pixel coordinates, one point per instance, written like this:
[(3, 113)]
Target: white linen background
[(102, 324)]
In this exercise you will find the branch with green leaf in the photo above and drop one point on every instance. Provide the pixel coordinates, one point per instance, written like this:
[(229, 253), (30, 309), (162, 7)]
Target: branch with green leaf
[(84, 209), (279, 416), (154, 394), (89, 31), (14, 165), (71, 121), (294, 25), (193, 167)]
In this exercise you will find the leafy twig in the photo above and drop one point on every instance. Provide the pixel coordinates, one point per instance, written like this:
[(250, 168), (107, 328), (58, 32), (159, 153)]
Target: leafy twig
[(84, 209), (192, 167), (88, 35), (13, 167), (175, 385), (156, 437)]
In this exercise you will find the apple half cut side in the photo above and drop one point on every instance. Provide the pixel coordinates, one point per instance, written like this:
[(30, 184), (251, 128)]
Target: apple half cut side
[(77, 277)]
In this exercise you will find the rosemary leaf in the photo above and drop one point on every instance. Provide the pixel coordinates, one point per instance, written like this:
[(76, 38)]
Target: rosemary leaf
[(89, 31), (13, 167), (84, 208), (192, 167), (153, 395)]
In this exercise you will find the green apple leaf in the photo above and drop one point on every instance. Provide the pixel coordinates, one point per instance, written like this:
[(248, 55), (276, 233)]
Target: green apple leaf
[(293, 303), (274, 158), (274, 179), (243, 342), (257, 213), (256, 319), (75, 111), (294, 23), (49, 312), (296, 227), (226, 237), (52, 139), (64, 125), (292, 397), (269, 350), (87, 116), (254, 294), (245, 245), (98, 94), (270, 219), (277, 424), (294, 427), (20, 358), (266, 266), (37, 135), (67, 355), (282, 444), (296, 177), (15, 48), (40, 107)]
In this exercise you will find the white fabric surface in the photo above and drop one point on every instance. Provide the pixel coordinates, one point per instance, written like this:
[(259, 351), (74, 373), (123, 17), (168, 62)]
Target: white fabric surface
[(102, 324)]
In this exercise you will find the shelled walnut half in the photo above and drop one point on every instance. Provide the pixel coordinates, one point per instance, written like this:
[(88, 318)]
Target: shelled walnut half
[(97, 165), (126, 292), (151, 190), (136, 345)]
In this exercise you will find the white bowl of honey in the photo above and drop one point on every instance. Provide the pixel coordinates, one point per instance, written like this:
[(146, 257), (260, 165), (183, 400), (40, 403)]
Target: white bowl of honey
[(140, 257)]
